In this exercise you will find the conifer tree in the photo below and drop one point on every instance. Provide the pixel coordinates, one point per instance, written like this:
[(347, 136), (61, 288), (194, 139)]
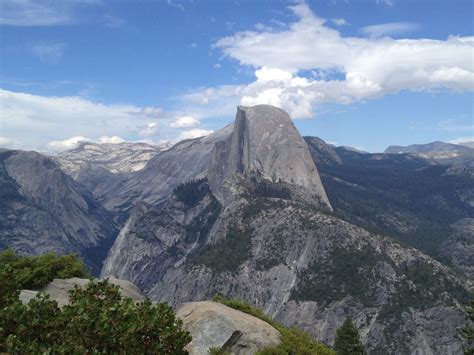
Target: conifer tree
[(347, 340)]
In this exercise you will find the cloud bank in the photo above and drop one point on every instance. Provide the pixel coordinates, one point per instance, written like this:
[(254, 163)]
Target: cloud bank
[(51, 124), (345, 69)]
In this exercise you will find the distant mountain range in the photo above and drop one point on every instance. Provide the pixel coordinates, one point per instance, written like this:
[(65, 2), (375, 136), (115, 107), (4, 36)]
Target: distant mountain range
[(441, 152), (309, 232)]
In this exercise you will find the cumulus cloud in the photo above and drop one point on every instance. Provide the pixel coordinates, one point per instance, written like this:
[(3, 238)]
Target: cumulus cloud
[(73, 142), (369, 66), (184, 122), (67, 143), (150, 130), (339, 22), (194, 133), (35, 121), (111, 140)]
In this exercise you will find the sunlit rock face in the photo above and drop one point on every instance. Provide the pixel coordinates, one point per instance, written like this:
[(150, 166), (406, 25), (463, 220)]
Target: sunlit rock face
[(265, 143)]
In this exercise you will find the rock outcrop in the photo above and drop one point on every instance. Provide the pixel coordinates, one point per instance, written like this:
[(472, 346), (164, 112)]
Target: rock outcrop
[(212, 324), (58, 290), (42, 209)]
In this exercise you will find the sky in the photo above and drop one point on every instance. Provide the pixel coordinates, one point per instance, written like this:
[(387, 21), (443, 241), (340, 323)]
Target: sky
[(359, 73)]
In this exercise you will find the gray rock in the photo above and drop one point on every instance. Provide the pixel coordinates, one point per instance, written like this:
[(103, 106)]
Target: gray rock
[(42, 209), (459, 247), (117, 158), (58, 290), (265, 142), (211, 324), (186, 160)]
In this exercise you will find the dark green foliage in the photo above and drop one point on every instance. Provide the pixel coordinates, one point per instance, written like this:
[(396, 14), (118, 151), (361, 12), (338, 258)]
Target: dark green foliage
[(423, 287), (347, 340), (468, 332), (201, 225), (293, 340), (97, 320), (191, 192), (367, 188), (228, 253), (33, 272), (343, 274), (274, 251), (261, 187)]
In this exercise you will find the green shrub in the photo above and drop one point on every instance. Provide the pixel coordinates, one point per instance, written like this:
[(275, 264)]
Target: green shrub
[(293, 341), (34, 272), (98, 319)]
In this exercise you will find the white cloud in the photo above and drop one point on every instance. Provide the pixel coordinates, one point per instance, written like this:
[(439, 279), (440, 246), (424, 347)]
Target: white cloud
[(50, 53), (34, 121), (41, 12), (390, 29), (194, 133), (369, 67), (66, 143), (184, 122), (150, 130), (339, 22), (111, 140)]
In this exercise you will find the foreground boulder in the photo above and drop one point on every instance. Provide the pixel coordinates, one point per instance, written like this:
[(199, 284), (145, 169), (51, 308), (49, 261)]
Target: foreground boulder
[(212, 324), (58, 290)]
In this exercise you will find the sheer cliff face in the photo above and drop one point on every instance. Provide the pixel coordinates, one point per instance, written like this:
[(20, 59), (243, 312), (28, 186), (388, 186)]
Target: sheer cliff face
[(265, 143), (42, 209)]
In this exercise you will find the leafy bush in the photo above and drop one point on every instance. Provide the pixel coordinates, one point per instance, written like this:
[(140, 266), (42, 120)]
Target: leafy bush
[(293, 340), (98, 319), (33, 272)]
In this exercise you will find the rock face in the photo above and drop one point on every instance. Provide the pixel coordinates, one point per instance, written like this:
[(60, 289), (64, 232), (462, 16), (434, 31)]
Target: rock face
[(259, 239), (58, 290), (42, 209), (211, 324), (186, 160), (116, 158), (459, 247), (265, 143)]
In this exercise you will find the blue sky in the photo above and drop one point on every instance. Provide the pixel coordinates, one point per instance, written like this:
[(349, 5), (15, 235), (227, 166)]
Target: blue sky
[(366, 74)]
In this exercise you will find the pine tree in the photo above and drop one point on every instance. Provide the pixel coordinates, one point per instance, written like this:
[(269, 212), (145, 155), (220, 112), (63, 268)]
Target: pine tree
[(468, 332), (347, 340)]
